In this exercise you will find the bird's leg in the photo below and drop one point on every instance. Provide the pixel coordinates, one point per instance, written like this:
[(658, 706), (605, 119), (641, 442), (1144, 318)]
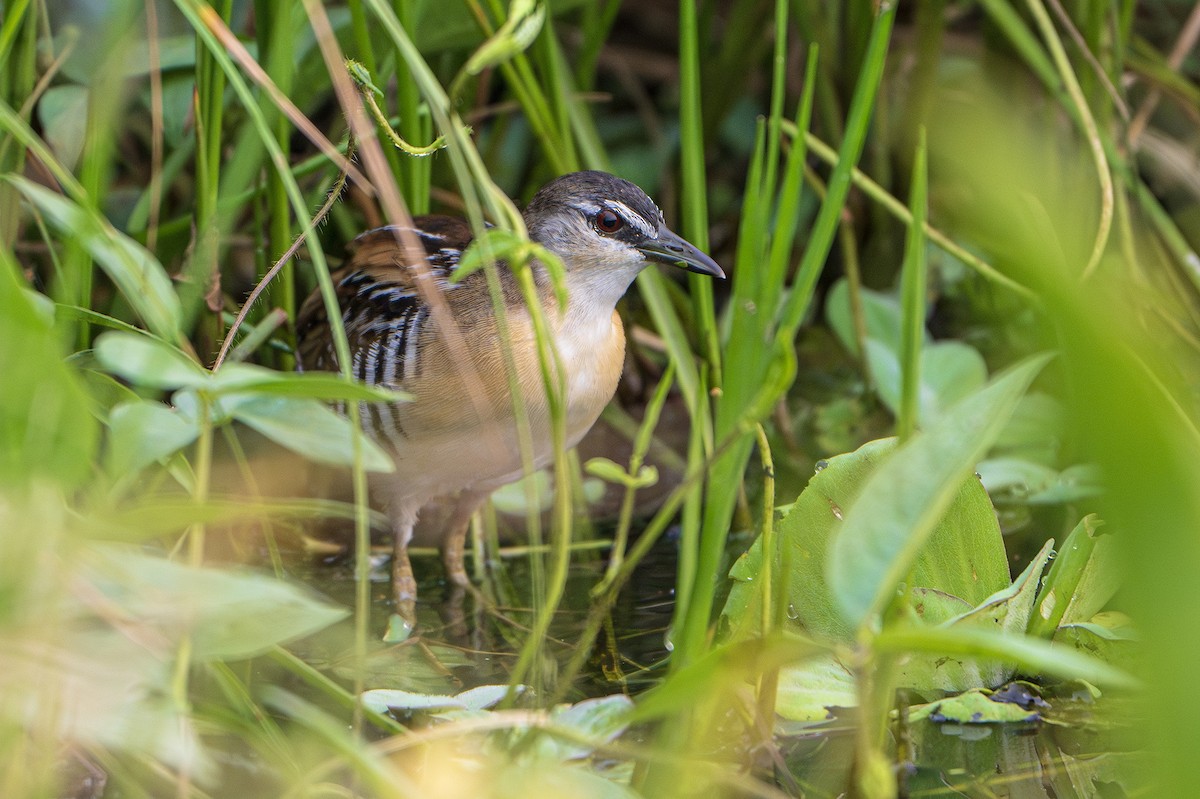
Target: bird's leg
[(454, 542), (404, 585)]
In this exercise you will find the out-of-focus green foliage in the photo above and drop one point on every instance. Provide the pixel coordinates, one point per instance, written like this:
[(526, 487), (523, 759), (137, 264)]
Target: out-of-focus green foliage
[(157, 158)]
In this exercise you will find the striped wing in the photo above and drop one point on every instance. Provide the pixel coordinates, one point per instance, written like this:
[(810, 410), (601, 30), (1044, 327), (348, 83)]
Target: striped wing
[(382, 311)]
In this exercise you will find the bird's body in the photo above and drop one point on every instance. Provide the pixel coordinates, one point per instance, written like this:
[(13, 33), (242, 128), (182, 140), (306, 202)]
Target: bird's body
[(459, 437)]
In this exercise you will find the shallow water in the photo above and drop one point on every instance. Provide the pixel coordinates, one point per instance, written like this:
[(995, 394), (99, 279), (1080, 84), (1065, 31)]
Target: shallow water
[(463, 642)]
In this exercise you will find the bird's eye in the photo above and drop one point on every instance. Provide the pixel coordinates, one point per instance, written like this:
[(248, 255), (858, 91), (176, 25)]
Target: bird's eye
[(608, 221)]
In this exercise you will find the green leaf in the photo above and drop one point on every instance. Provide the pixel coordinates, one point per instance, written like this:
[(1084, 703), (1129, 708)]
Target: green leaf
[(1007, 611), (1082, 580), (139, 276), (972, 707), (525, 18), (1075, 483), (612, 472), (309, 428), (597, 721), (518, 779), (901, 504), (950, 371), (143, 432), (227, 615), (382, 700), (1034, 433), (724, 665), (63, 112), (1107, 636), (1016, 477), (807, 690), (881, 313), (963, 558), (251, 379), (1030, 655), (148, 362)]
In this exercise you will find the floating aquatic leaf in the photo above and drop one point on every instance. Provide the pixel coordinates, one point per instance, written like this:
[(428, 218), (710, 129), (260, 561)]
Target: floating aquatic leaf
[(972, 707), (901, 503)]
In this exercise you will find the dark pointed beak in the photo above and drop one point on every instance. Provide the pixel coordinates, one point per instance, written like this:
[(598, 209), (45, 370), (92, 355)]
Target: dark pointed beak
[(670, 248)]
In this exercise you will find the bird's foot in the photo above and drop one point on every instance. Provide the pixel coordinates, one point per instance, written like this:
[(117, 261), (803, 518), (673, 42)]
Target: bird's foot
[(404, 587)]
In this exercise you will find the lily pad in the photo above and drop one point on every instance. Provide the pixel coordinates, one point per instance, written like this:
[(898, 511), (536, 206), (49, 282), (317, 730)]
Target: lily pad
[(972, 707), (811, 689)]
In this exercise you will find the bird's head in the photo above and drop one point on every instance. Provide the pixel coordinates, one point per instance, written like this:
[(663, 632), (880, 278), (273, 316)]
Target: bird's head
[(606, 230)]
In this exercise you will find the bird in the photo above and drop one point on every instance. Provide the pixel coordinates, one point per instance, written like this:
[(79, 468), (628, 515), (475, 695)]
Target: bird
[(458, 437)]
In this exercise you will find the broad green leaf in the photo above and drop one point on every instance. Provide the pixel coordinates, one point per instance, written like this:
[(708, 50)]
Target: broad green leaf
[(972, 707), (1107, 636), (808, 689), (309, 428), (881, 313), (902, 502), (477, 699), (1082, 580), (159, 515), (226, 614), (950, 371), (482, 697), (1099, 582), (143, 432), (139, 276), (964, 557), (1007, 611), (63, 112), (148, 362), (251, 379), (1016, 477), (1075, 483), (935, 607), (514, 497), (601, 718), (46, 429), (1034, 433), (724, 665), (597, 720)]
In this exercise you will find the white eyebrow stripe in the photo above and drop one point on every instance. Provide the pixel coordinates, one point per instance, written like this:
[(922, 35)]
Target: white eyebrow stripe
[(634, 218)]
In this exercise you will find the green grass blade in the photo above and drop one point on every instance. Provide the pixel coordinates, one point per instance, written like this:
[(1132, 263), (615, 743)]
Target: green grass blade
[(858, 122), (1031, 655), (912, 299)]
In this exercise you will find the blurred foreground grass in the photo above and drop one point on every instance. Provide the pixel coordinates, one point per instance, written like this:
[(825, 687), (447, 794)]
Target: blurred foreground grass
[(156, 159)]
